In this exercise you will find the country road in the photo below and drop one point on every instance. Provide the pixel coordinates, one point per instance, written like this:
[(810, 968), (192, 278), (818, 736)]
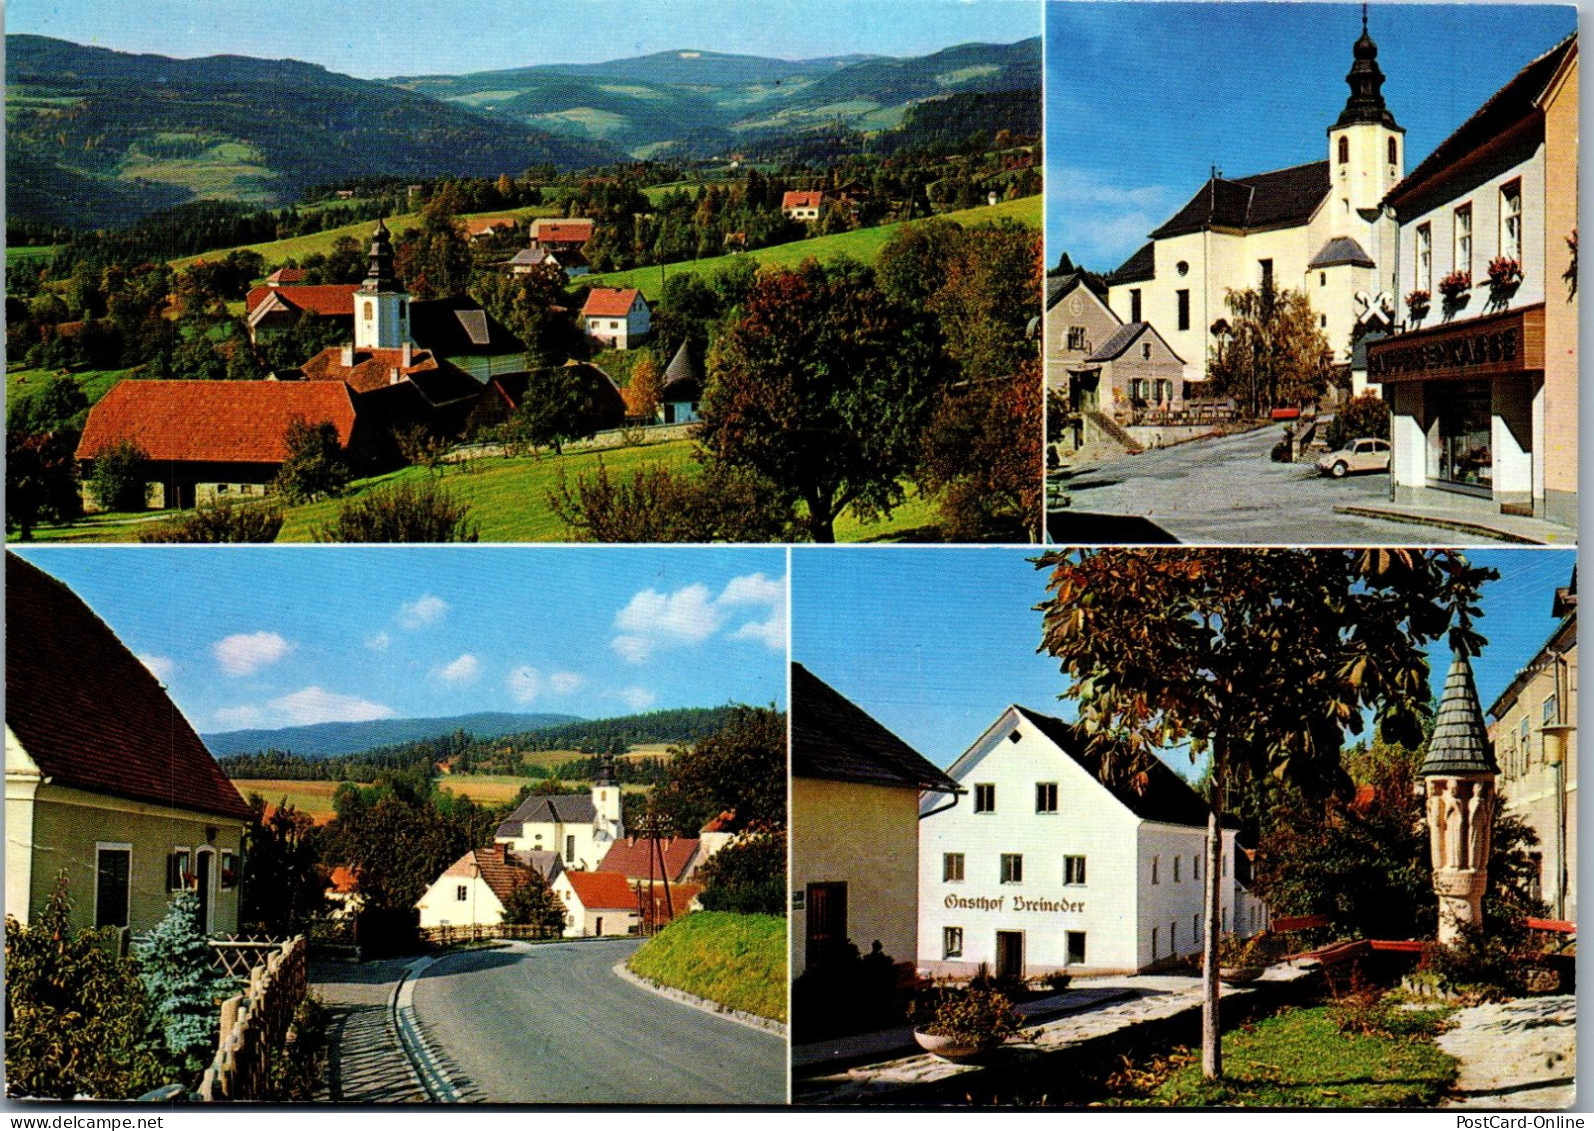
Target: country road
[(552, 1023)]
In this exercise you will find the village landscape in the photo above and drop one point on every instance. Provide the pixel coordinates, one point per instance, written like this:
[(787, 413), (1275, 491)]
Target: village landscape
[(392, 908)]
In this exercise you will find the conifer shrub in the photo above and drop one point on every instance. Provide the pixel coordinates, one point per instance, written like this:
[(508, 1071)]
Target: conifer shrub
[(184, 987)]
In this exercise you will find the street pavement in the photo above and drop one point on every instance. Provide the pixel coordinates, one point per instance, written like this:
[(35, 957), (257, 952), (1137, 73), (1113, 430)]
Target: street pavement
[(365, 1063), (1224, 491), (1515, 1055), (552, 1023)]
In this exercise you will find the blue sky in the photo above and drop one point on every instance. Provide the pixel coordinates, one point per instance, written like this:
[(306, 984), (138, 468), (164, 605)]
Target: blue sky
[(1143, 99), (935, 642), (382, 40), (286, 636)]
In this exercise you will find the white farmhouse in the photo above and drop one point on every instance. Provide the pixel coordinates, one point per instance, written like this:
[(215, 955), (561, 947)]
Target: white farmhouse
[(474, 890), (1044, 867), (579, 830), (618, 319), (598, 903)]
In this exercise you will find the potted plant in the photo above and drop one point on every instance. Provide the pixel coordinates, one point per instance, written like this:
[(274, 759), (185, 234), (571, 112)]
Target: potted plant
[(1455, 284), (1417, 304), (1239, 960), (965, 1022)]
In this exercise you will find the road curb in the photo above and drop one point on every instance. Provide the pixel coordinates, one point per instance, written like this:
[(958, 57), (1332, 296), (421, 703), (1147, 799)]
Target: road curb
[(1455, 525), (423, 1062), (741, 1017)]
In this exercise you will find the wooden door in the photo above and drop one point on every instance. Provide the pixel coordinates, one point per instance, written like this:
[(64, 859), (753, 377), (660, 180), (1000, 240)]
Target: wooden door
[(1009, 954), (205, 859), (827, 922)]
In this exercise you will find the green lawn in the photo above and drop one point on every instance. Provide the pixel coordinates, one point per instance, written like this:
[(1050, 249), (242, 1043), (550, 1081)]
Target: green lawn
[(738, 961), (23, 254), (1301, 1058), (95, 383), (863, 244)]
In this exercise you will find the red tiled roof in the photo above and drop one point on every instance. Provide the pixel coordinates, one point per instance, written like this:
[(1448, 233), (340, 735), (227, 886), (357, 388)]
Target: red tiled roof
[(287, 276), (802, 199), (724, 823), (90, 714), (498, 869), (213, 421), (570, 231), (331, 300), (681, 896), (490, 224), (606, 302), (372, 369), (602, 891), (629, 858)]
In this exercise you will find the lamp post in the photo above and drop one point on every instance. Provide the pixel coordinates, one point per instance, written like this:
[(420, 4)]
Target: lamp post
[(1458, 775)]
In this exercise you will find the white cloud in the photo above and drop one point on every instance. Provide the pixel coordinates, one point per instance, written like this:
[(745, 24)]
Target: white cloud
[(316, 705), (637, 698), (633, 648), (245, 653), (239, 718), (524, 684), (161, 667), (563, 683), (772, 631), (421, 611), (462, 670), (753, 589), (380, 642), (652, 621)]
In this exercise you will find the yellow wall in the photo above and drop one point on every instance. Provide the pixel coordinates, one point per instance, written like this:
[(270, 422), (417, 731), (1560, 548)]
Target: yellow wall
[(1558, 462)]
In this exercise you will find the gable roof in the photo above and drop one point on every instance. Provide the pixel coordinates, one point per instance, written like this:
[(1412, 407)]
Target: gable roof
[(92, 716), (1280, 199), (1167, 798), (565, 809), (439, 382), (802, 199), (527, 257), (1059, 287), (330, 300), (836, 740), (603, 891), (213, 421), (1141, 267), (1339, 251), (607, 302), (451, 326), (287, 276), (491, 224), (501, 871), (1126, 336), (634, 858), (1512, 103), (571, 230)]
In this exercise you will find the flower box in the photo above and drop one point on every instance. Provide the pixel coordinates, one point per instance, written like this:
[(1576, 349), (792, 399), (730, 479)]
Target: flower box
[(1504, 272), (1455, 284)]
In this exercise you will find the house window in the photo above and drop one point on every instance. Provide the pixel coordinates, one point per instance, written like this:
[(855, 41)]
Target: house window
[(1173, 937), (1175, 869), (369, 307), (1076, 337), (951, 942), (1134, 305), (1511, 220), (1012, 868), (1195, 926), (952, 867), (1322, 278), (1322, 321), (1154, 951), (1548, 711), (1394, 153), (113, 866), (1156, 864), (1425, 258), (1074, 870), (1145, 351), (178, 869), (1045, 797), (1463, 238), (1184, 310), (1076, 947), (1266, 266), (1344, 151), (1138, 389), (985, 797), (229, 871), (462, 892), (402, 305), (570, 849), (1195, 866), (1223, 924)]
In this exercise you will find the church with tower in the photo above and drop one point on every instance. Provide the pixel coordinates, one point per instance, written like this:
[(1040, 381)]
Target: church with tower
[(1318, 228)]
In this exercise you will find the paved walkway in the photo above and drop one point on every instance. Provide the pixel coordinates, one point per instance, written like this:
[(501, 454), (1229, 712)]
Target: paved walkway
[(1516, 1055), (1471, 518), (365, 1063)]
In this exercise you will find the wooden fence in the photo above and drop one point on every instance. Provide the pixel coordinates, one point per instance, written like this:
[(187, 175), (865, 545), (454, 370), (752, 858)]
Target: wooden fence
[(481, 932), (236, 957), (255, 1024)]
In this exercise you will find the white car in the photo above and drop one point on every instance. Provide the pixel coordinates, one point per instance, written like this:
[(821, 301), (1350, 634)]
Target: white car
[(1366, 454)]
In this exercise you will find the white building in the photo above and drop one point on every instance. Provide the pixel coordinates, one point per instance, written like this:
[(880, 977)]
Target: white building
[(618, 319), (598, 903), (474, 890), (578, 829), (1317, 228), (1043, 867)]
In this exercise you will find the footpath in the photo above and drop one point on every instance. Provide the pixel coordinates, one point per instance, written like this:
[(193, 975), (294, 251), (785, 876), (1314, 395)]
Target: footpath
[(1515, 1055), (365, 1062)]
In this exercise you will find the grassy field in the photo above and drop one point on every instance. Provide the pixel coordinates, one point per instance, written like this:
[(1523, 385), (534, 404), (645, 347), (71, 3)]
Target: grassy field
[(23, 254), (738, 961), (312, 797), (863, 244), (95, 383), (297, 247)]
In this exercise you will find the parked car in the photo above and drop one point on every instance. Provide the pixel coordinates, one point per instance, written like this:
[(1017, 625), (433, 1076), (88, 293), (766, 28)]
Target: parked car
[(1366, 454)]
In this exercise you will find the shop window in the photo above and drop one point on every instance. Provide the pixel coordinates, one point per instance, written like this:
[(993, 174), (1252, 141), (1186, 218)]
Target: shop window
[(1012, 868), (1463, 238), (951, 942), (1466, 456), (985, 797), (1184, 310), (1134, 305), (1511, 220), (1076, 947), (178, 869), (1074, 870), (1425, 258), (1045, 797), (952, 867), (113, 866)]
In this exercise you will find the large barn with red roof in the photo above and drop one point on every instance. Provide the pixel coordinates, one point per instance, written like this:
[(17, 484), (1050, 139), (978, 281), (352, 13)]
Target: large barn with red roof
[(106, 781)]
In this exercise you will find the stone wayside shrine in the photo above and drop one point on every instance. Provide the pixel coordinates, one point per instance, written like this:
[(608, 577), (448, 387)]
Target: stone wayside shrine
[(1458, 774)]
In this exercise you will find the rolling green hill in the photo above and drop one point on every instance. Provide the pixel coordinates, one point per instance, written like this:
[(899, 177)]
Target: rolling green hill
[(97, 137)]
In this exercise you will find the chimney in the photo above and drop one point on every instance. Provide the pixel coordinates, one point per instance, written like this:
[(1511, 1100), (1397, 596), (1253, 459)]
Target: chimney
[(394, 376), (347, 357), (408, 347)]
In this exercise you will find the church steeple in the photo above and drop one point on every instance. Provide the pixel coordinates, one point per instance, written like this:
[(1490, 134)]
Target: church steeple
[(382, 308), (1366, 81), (379, 277)]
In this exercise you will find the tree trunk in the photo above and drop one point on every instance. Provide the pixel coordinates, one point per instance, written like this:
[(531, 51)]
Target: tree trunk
[(821, 519), (1211, 1048)]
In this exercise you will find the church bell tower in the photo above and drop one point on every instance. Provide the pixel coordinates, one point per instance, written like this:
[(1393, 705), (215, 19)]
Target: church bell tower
[(1366, 148), (381, 308)]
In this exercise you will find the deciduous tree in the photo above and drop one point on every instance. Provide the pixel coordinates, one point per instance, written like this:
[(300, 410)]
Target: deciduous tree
[(983, 455), (658, 504), (284, 882), (1261, 661), (315, 467), (739, 768), (117, 476), (1271, 352), (532, 903)]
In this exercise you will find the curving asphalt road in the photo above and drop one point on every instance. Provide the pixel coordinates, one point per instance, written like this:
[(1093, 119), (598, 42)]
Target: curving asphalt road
[(551, 1023)]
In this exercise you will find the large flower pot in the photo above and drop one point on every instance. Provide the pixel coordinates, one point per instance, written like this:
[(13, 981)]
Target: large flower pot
[(1239, 975), (956, 1047)]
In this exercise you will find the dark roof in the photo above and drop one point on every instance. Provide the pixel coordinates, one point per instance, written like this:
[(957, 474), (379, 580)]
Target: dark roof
[(566, 809), (1141, 267), (1166, 798), (1513, 102), (1124, 337), (1460, 740), (449, 326), (90, 714), (683, 371), (1339, 251), (1059, 287), (1280, 199), (834, 739)]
